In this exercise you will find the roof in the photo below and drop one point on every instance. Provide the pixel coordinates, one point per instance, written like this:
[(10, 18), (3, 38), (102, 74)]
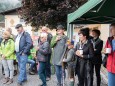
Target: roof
[(82, 10), (94, 12), (10, 11)]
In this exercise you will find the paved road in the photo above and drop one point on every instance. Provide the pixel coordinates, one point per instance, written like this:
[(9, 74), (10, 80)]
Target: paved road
[(33, 80)]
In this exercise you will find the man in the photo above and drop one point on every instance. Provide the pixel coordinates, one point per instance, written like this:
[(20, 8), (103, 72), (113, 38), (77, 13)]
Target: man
[(58, 44), (23, 43), (97, 59), (48, 67)]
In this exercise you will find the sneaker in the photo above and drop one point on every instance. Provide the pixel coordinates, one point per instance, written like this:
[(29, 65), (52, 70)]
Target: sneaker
[(47, 79), (10, 81), (5, 80)]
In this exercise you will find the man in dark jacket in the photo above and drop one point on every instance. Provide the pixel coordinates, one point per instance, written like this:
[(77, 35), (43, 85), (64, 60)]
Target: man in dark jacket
[(97, 60), (23, 43)]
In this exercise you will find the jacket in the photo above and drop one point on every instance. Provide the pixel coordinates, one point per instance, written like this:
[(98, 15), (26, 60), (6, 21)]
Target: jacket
[(58, 49), (84, 62), (111, 57), (8, 48), (69, 57), (49, 38), (98, 46), (42, 53), (25, 43)]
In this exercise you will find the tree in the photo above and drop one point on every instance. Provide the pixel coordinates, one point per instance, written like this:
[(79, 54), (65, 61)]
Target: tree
[(51, 12)]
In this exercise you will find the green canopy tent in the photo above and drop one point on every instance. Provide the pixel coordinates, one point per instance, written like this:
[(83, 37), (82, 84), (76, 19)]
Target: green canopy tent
[(92, 12)]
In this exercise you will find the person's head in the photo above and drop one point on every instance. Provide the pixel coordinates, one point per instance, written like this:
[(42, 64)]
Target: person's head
[(44, 29), (112, 29), (84, 34), (96, 33), (43, 37), (6, 35), (60, 29), (9, 30), (19, 28), (70, 44)]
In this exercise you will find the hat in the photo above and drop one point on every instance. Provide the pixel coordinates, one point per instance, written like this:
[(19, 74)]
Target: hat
[(72, 42), (60, 27), (18, 25)]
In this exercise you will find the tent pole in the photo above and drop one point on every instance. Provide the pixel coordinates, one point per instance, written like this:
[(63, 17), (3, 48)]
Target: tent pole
[(70, 31)]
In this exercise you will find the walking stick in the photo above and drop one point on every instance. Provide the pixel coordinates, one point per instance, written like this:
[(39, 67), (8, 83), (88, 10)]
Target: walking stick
[(63, 73)]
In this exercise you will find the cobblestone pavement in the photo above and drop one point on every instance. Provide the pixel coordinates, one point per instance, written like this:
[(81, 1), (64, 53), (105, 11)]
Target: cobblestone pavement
[(33, 80)]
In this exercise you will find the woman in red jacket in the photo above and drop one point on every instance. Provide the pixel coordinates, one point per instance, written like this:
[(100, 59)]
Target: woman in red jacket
[(110, 50)]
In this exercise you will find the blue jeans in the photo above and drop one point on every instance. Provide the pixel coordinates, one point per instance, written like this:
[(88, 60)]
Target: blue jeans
[(22, 60), (59, 73), (42, 72), (111, 79), (48, 67), (32, 62)]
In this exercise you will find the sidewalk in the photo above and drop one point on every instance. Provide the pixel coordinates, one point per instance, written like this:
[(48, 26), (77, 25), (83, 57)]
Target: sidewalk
[(33, 80)]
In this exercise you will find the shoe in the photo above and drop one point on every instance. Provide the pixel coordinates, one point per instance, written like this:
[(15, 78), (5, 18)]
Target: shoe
[(19, 84), (15, 72), (25, 81), (5, 80), (47, 79), (31, 73), (10, 81)]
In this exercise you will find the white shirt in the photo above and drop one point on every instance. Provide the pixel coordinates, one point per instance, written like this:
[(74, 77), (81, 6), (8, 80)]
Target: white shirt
[(17, 41)]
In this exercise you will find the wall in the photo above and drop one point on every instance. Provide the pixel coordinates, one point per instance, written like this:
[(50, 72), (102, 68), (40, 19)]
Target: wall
[(12, 20)]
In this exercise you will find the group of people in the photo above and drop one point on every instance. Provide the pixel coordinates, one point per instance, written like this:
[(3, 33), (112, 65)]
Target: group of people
[(79, 61)]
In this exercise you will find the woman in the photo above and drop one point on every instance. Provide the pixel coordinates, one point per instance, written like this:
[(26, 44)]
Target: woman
[(97, 60), (8, 56), (111, 56), (42, 53), (84, 53)]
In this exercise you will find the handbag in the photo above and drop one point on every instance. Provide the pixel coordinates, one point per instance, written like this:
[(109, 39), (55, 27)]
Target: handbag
[(104, 61)]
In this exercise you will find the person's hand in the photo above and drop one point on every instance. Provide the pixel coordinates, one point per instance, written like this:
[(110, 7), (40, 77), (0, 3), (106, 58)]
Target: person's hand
[(35, 57), (78, 53), (23, 54), (64, 60), (57, 38), (104, 50), (3, 56), (95, 49), (37, 48)]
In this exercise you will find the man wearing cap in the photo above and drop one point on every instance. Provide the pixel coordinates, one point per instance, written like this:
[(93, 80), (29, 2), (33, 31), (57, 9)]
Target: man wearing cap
[(23, 43), (58, 44)]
